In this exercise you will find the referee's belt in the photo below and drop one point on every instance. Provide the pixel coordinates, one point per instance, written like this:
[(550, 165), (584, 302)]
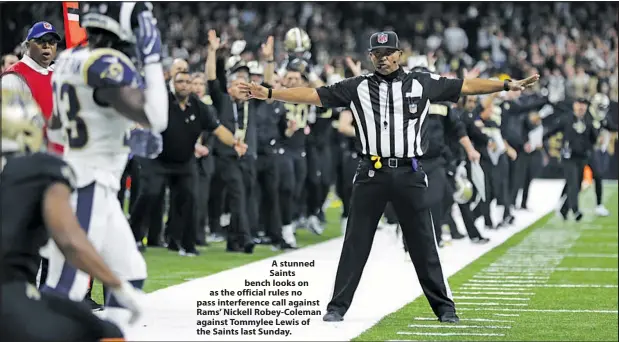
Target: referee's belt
[(394, 162)]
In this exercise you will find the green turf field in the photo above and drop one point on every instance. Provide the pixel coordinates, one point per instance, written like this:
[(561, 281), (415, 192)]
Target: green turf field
[(556, 280)]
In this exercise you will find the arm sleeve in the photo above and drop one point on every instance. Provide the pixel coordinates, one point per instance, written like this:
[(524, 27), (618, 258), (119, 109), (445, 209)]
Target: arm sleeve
[(111, 68), (208, 119), (217, 96), (439, 88), (339, 94)]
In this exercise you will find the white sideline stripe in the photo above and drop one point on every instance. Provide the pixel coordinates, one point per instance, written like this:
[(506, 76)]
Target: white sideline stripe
[(493, 293), (551, 285), (492, 298), (446, 334), (541, 310), (493, 304), (506, 315), (457, 326), (467, 319), (170, 313)]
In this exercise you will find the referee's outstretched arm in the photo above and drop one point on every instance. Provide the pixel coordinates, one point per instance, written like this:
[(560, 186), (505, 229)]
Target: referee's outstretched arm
[(471, 86)]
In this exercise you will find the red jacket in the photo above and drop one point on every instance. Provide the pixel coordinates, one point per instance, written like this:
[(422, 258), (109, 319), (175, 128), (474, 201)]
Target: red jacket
[(41, 88)]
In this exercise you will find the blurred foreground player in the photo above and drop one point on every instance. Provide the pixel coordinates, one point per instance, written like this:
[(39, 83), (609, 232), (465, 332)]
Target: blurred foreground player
[(99, 96), (36, 190)]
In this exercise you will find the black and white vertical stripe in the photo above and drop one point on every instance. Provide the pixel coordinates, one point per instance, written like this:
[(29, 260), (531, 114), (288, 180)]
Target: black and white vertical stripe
[(389, 116)]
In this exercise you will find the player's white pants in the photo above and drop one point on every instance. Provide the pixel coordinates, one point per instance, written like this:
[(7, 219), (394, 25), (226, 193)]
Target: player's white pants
[(99, 213)]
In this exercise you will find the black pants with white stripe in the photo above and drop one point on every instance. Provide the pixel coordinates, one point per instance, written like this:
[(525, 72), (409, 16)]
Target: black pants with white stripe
[(407, 190)]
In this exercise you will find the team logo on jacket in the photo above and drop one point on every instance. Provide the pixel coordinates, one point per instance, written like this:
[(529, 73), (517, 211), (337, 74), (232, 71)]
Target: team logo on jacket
[(382, 38), (579, 127)]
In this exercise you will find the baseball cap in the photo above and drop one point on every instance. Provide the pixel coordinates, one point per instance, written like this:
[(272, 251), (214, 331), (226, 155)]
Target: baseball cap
[(384, 40), (40, 29)]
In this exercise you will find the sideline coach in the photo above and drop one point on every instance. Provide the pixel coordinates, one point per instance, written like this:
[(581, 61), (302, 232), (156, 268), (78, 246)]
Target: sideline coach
[(390, 108), (175, 165)]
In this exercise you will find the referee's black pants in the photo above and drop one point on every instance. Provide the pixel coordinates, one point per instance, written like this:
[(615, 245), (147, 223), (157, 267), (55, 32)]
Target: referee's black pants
[(407, 190), (235, 175), (573, 172), (181, 178), (267, 179), (57, 319), (206, 170)]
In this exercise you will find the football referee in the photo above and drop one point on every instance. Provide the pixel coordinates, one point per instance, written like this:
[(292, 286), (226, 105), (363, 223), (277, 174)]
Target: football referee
[(390, 108)]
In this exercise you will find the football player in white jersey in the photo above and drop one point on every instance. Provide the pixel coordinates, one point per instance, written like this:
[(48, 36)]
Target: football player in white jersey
[(99, 95)]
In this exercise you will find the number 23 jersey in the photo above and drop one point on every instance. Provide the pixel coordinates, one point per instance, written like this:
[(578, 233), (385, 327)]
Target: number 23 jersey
[(94, 134)]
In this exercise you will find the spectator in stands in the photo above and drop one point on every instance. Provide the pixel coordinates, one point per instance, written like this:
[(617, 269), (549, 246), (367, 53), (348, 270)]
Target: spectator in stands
[(7, 61)]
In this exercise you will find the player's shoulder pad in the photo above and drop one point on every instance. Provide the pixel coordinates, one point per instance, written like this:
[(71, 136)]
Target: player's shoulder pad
[(438, 109), (107, 67)]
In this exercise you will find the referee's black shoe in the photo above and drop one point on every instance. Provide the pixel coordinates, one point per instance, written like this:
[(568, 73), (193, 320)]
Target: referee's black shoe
[(332, 316), (449, 317)]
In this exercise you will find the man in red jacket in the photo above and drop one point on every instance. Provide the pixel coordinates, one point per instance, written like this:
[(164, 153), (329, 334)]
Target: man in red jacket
[(33, 73)]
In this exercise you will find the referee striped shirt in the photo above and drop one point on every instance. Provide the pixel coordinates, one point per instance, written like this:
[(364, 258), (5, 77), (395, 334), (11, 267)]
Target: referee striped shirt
[(390, 111)]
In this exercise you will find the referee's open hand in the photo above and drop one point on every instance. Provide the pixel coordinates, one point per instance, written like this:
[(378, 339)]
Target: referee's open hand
[(523, 84)]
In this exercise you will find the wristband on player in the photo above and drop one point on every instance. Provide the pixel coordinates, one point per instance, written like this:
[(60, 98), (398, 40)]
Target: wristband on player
[(506, 84)]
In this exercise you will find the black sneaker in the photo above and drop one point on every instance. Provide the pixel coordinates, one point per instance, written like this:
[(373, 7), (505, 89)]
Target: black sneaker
[(457, 236), (480, 240), (577, 216), (249, 248), (449, 317), (332, 316)]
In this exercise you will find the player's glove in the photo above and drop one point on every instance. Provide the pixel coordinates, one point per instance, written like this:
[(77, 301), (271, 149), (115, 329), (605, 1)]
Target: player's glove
[(131, 299), (145, 143), (148, 39)]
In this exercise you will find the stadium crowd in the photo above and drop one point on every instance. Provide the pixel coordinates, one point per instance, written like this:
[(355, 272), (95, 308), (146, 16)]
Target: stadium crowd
[(573, 46)]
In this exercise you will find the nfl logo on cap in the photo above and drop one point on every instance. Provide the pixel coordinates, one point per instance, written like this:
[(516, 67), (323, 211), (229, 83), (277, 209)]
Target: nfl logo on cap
[(47, 26), (382, 38)]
